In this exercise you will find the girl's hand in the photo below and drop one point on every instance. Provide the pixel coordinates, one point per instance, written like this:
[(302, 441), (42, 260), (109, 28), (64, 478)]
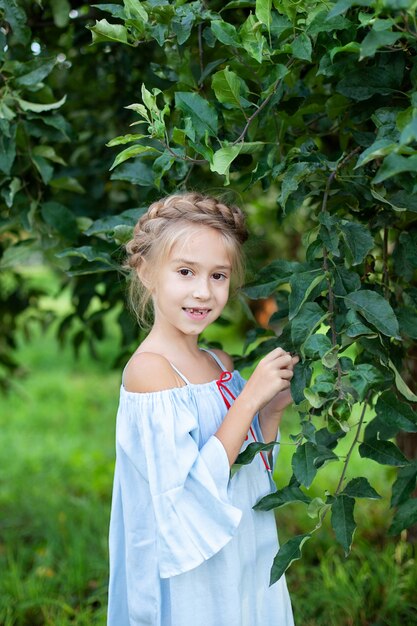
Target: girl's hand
[(271, 377), (276, 406)]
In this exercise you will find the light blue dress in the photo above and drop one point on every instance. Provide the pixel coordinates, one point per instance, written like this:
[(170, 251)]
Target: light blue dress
[(186, 547)]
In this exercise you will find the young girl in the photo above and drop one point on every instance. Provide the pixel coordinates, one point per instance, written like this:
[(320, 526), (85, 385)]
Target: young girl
[(186, 546)]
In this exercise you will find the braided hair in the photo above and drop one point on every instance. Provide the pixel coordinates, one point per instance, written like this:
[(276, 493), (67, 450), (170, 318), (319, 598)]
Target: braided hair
[(167, 221)]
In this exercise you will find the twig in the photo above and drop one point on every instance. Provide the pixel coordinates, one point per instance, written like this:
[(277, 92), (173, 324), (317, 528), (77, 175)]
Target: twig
[(200, 48), (354, 442), (258, 110), (332, 176), (385, 263), (330, 179), (181, 158)]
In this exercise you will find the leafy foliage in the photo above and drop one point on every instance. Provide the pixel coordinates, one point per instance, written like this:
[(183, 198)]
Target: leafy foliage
[(313, 106)]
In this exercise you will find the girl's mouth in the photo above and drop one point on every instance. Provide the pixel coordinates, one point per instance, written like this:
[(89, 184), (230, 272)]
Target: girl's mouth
[(196, 313)]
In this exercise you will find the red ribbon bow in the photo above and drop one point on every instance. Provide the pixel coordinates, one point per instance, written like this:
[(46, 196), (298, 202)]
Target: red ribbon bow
[(224, 389)]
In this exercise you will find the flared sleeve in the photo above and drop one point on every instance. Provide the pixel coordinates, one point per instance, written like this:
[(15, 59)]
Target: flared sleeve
[(188, 486)]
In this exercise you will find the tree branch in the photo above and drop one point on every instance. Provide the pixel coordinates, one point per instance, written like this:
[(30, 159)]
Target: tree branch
[(352, 447), (330, 179), (258, 110), (385, 264)]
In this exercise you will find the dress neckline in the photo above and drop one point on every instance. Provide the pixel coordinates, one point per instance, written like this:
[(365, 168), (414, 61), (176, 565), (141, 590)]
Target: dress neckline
[(187, 387)]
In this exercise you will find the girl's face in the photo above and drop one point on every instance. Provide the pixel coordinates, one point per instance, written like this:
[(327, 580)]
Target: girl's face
[(192, 285)]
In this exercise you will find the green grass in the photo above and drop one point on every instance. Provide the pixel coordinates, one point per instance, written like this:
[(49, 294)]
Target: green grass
[(57, 463), (57, 433)]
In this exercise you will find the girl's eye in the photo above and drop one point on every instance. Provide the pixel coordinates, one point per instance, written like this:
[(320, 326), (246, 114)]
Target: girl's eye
[(218, 276), (184, 272)]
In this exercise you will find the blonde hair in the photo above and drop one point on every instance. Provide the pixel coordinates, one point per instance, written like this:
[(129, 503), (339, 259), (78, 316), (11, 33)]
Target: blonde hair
[(166, 222)]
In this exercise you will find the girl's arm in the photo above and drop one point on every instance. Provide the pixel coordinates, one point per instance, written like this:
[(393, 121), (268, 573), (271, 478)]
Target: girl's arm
[(271, 377)]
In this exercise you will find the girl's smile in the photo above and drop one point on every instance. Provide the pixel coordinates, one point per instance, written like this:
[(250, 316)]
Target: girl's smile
[(192, 285)]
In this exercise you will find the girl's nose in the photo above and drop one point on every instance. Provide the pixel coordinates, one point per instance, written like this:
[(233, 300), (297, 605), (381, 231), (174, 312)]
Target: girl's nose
[(201, 290)]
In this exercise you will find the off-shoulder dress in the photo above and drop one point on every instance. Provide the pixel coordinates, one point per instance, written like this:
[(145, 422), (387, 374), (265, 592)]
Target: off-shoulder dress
[(186, 546)]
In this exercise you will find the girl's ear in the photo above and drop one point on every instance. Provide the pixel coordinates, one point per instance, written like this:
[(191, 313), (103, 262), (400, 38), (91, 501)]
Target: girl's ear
[(143, 273)]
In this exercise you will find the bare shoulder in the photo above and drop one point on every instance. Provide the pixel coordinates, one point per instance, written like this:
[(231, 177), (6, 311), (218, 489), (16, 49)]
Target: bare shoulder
[(147, 372), (225, 358)]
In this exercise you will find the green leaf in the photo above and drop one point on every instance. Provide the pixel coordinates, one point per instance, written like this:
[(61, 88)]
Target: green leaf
[(365, 377), (14, 15), (18, 255), (252, 39), (202, 113), (225, 33), (229, 88), (135, 171), (44, 168), (302, 286), (306, 321), (303, 463), (375, 40), (317, 345), (383, 452), (251, 450), (301, 47), (355, 327), (395, 413), (61, 218), (114, 9), (300, 380), (294, 175), (363, 83), (405, 484), (358, 240), (223, 158), (117, 141), (409, 132), (107, 225), (133, 151), (36, 72), (135, 10), (405, 255), (90, 254), (287, 554), (40, 108), (263, 12), (317, 508), (401, 385), (407, 318), (360, 488), (48, 152), (345, 280), (270, 277), (343, 521), (60, 11), (405, 516), (395, 164), (68, 183), (8, 150), (323, 455), (104, 31), (290, 493), (375, 309), (380, 148)]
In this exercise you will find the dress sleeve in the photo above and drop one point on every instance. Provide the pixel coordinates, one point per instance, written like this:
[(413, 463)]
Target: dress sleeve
[(193, 515)]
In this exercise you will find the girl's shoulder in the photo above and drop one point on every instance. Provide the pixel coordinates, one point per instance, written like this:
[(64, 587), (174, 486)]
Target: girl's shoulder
[(224, 358), (147, 372)]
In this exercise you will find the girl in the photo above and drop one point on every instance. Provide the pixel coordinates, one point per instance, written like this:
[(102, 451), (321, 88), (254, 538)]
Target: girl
[(186, 547)]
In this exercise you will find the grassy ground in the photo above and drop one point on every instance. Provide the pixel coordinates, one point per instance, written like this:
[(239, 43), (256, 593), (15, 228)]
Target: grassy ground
[(57, 431)]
